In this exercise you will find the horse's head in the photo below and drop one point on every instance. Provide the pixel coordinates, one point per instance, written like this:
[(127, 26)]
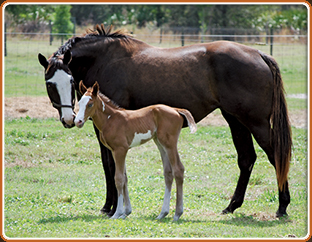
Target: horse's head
[(60, 86), (87, 104)]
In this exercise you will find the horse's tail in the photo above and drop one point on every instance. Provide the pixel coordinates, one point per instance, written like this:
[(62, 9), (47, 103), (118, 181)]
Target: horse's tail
[(189, 118), (281, 130)]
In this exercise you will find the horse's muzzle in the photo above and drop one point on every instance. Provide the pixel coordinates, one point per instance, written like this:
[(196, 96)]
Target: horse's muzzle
[(79, 123), (66, 125)]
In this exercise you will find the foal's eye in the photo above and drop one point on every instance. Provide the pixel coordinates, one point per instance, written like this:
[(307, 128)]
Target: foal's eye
[(90, 105)]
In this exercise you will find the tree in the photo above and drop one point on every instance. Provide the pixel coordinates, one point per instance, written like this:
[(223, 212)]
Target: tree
[(62, 23), (29, 18)]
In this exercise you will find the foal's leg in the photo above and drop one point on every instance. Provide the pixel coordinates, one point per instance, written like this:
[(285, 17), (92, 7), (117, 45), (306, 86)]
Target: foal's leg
[(120, 180), (246, 158), (109, 171), (169, 144), (262, 136), (178, 172), (168, 179), (128, 208)]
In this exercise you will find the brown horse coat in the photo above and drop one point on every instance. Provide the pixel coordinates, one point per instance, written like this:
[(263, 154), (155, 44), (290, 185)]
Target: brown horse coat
[(122, 129), (244, 83)]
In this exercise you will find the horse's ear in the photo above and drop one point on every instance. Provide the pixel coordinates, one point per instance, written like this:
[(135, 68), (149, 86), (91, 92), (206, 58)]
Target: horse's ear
[(82, 88), (67, 57), (43, 61), (95, 88)]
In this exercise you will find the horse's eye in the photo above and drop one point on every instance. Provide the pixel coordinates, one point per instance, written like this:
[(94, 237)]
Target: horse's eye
[(90, 105), (49, 85)]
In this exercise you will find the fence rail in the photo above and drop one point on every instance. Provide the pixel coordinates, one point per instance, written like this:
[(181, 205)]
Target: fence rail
[(24, 75)]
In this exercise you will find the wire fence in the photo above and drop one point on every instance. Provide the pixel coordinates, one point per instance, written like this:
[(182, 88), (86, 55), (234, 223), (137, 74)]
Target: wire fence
[(24, 75)]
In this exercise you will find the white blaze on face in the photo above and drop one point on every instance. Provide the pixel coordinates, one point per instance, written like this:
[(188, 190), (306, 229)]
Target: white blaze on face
[(139, 137), (82, 109), (63, 85)]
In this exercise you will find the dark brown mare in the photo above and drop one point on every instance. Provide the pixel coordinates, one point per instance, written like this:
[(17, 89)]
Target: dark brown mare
[(244, 83), (121, 130)]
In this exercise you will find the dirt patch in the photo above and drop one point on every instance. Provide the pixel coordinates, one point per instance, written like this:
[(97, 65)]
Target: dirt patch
[(40, 107)]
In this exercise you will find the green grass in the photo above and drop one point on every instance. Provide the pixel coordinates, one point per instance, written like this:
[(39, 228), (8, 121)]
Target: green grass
[(54, 187), (24, 75)]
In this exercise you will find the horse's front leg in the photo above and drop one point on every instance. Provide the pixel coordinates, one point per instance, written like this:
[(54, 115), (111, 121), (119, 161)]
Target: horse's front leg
[(128, 208), (120, 181), (109, 172)]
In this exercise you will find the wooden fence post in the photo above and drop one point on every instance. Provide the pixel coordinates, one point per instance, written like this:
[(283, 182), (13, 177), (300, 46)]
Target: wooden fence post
[(51, 36), (271, 41), (182, 37)]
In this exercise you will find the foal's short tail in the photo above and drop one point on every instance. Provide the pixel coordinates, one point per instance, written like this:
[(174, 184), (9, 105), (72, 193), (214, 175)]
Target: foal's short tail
[(189, 118), (280, 124)]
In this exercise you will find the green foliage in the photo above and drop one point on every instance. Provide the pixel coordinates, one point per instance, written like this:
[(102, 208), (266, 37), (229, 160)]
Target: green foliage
[(191, 15), (55, 189), (29, 17), (62, 20)]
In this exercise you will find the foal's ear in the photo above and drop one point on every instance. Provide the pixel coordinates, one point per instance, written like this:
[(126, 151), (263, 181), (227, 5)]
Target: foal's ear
[(95, 88), (43, 61), (82, 88), (67, 57)]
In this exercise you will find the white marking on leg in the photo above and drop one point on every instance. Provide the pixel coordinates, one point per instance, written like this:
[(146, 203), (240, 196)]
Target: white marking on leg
[(128, 208), (82, 108), (166, 205), (139, 137), (120, 211), (63, 86)]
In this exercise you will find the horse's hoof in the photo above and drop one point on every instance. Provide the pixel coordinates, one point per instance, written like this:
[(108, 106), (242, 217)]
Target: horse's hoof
[(127, 212), (226, 211), (111, 213), (280, 215), (162, 215), (105, 210), (118, 216)]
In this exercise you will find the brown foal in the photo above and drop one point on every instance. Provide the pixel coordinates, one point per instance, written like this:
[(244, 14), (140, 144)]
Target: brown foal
[(122, 129)]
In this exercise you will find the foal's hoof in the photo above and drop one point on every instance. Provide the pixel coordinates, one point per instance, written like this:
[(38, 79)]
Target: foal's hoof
[(118, 216), (162, 215)]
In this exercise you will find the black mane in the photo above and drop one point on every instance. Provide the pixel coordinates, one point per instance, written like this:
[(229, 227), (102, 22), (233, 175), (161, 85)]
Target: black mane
[(98, 32)]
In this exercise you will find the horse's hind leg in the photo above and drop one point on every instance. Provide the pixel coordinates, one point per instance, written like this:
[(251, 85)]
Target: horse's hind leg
[(168, 179), (262, 136), (169, 147), (246, 158)]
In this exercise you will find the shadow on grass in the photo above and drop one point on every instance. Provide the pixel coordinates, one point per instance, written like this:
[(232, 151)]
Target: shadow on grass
[(240, 219), (64, 218)]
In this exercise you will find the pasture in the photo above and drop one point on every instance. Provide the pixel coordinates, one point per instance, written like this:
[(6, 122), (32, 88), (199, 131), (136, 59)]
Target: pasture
[(54, 182), (54, 187)]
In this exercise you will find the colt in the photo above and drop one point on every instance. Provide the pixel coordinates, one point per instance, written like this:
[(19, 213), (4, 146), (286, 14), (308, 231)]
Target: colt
[(122, 129)]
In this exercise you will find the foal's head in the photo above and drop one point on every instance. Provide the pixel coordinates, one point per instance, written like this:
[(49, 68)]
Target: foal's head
[(87, 104)]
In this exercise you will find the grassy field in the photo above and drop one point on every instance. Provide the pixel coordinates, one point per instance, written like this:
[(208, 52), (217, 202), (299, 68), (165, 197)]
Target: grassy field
[(54, 181), (24, 75), (54, 187)]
